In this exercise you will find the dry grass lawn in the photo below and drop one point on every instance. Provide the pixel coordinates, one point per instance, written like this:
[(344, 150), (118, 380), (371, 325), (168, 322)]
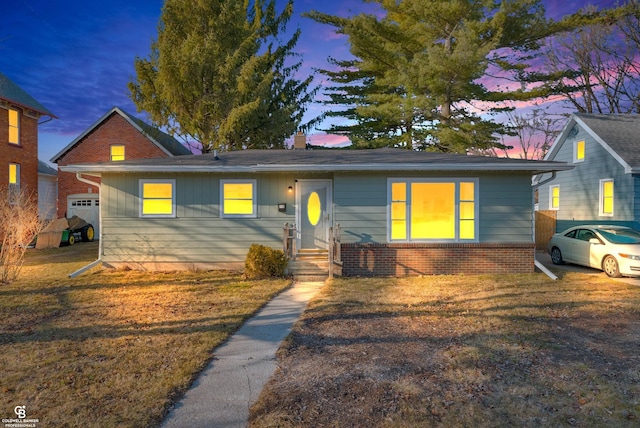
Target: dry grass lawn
[(461, 351), (111, 348)]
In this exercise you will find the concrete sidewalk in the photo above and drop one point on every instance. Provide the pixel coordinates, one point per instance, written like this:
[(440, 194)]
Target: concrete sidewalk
[(231, 383)]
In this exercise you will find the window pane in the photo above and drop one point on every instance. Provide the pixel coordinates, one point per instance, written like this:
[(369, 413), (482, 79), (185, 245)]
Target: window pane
[(467, 191), (467, 210), (433, 211), (157, 206), (13, 173), (555, 197), (238, 190), (157, 190), (398, 211), (398, 191), (398, 229), (467, 229), (13, 135), (238, 206), (580, 150), (117, 153)]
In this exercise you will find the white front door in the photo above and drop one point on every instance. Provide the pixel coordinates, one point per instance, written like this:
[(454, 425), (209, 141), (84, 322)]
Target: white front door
[(313, 212)]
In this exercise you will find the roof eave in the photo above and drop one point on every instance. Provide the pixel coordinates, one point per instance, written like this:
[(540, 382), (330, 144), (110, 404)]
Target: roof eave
[(539, 168)]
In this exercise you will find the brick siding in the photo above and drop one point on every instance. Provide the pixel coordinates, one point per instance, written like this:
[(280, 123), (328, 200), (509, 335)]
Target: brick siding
[(427, 259), (96, 147)]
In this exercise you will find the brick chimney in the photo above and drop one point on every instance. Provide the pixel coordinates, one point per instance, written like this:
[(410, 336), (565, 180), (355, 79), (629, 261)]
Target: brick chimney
[(300, 141)]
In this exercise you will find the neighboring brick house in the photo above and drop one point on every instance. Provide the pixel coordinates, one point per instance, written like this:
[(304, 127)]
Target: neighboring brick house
[(19, 117), (115, 137)]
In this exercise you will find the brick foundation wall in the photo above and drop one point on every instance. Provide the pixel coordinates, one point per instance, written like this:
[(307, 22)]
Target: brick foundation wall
[(429, 259)]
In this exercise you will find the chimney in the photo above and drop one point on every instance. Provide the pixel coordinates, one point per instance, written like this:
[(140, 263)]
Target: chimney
[(299, 141)]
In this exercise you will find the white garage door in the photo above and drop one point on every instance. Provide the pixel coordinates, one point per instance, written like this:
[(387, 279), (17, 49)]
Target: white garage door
[(87, 207)]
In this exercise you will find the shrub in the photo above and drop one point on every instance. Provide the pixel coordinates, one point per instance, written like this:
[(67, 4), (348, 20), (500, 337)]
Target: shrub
[(264, 262)]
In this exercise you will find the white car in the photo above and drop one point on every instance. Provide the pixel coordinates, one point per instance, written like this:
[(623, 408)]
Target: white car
[(613, 249)]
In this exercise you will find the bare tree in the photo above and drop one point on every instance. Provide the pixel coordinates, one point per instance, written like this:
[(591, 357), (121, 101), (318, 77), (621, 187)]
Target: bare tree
[(19, 225), (600, 64)]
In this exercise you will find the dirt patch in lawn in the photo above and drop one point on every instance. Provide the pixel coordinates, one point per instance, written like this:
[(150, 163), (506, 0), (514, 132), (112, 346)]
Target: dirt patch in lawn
[(513, 350), (112, 348)]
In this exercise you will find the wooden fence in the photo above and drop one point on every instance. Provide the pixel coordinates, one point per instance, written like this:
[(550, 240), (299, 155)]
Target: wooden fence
[(545, 228)]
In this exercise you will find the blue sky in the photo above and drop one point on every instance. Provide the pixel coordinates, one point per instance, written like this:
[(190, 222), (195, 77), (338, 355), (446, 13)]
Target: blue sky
[(76, 57)]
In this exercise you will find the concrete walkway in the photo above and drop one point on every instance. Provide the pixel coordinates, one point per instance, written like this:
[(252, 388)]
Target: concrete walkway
[(222, 394)]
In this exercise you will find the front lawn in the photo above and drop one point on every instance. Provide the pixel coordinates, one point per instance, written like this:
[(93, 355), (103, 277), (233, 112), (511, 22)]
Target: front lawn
[(461, 351), (112, 348)]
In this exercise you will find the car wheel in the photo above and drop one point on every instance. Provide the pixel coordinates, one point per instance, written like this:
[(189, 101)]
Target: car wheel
[(87, 233), (556, 256), (610, 267)]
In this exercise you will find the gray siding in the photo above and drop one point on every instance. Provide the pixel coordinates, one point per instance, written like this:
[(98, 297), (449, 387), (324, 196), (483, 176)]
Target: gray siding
[(198, 235), (580, 187)]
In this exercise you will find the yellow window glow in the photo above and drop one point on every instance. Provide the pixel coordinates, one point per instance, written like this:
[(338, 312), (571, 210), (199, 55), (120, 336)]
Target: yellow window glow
[(117, 153), (433, 211), (555, 197), (238, 198), (313, 208), (607, 197), (580, 150), (13, 173), (157, 198), (398, 211), (14, 127)]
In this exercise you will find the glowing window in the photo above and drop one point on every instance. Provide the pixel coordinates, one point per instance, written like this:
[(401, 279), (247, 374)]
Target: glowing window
[(554, 197), (14, 174), (398, 210), (314, 208), (157, 198), (14, 127), (238, 198), (578, 151), (606, 197), (432, 210), (117, 153)]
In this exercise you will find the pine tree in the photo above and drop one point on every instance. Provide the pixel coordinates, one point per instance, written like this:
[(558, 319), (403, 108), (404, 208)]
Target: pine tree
[(217, 74), (420, 75)]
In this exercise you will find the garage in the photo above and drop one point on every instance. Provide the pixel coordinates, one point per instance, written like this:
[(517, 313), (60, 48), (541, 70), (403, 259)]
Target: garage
[(87, 207)]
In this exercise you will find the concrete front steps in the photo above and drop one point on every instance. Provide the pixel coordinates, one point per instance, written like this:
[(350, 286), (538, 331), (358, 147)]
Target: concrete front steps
[(310, 265)]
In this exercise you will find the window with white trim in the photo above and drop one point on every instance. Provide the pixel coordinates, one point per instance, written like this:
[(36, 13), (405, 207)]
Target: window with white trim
[(606, 197), (432, 209), (578, 151), (14, 126), (238, 198), (158, 198), (554, 197)]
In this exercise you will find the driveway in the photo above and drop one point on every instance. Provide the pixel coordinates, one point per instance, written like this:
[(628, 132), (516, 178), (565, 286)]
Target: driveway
[(544, 258)]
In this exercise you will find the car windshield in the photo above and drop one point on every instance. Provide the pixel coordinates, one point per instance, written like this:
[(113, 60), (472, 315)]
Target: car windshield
[(621, 236)]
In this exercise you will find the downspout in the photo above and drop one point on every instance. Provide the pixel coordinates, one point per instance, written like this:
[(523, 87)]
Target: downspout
[(82, 270)]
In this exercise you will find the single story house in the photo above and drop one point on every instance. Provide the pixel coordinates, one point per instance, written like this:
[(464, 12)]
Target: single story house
[(604, 186), (400, 212)]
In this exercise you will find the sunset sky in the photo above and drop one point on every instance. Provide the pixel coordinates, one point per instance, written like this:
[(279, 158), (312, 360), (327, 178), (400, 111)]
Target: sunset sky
[(76, 57)]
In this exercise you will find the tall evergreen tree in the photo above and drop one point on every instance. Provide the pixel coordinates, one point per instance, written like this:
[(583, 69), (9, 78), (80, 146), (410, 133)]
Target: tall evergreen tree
[(420, 74), (218, 74)]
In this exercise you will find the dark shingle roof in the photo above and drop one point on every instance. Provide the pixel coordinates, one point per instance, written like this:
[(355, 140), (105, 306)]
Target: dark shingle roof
[(621, 132), (164, 139), (385, 159), (13, 93)]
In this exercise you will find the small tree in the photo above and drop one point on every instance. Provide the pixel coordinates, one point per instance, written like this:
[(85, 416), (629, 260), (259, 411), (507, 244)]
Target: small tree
[(19, 225)]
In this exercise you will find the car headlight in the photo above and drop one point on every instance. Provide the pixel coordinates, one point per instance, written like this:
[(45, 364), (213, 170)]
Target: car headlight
[(629, 256)]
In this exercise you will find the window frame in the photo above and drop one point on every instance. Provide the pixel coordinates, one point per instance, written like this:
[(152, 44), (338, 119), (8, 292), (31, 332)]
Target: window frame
[(552, 206), (576, 151), (144, 181), (457, 202), (254, 197), (602, 196), (111, 155), (16, 126)]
